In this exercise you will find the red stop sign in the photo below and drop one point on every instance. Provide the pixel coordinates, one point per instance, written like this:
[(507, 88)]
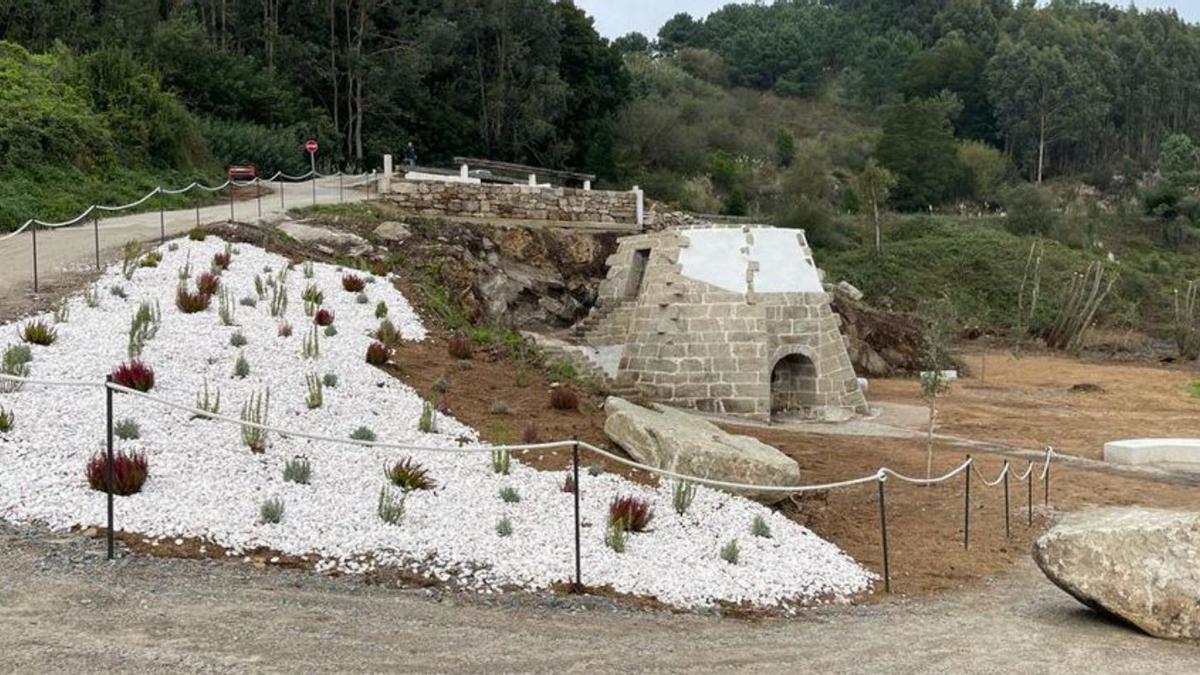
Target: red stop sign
[(310, 146)]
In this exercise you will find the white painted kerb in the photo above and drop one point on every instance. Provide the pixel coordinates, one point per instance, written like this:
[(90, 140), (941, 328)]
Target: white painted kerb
[(722, 257), (1153, 451)]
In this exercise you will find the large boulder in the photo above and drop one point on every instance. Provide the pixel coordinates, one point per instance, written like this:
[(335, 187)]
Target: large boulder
[(1141, 565), (353, 244), (675, 440)]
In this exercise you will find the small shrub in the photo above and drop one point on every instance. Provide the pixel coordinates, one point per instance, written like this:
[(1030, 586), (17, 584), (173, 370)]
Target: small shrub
[(316, 395), (279, 301), (504, 527), (363, 434), (197, 234), (248, 301), (730, 552), (173, 246), (184, 273), (130, 253), (568, 484), (594, 471), (633, 513), (330, 380), (61, 311), (18, 354), (129, 471), (310, 347), (91, 297), (241, 367), (501, 462), (7, 419), (428, 422), (151, 259), (134, 375), (760, 528), (330, 331), (353, 283), (362, 299), (226, 309), (682, 494), (255, 411), (313, 293), (143, 327), (297, 470), (237, 339), (307, 268), (117, 291), (459, 347), (208, 283), (563, 397), (381, 309), (15, 363), (387, 333), (530, 434), (409, 475), (127, 429), (499, 408), (260, 288), (271, 511), (509, 495), (614, 537), (38, 332), (190, 302), (390, 507), (221, 261), (284, 329), (209, 404), (378, 354), (323, 317), (439, 385)]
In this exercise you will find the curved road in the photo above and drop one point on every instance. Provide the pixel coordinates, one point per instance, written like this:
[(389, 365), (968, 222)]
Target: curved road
[(62, 608), (73, 249)]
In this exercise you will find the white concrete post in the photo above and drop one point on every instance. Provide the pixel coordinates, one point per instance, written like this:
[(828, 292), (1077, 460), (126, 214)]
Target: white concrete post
[(587, 185), (385, 181), (641, 213), (463, 172), (532, 180)]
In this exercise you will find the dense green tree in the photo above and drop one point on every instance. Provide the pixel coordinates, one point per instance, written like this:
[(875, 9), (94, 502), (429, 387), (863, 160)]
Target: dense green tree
[(918, 147), (632, 43), (1179, 159), (956, 66)]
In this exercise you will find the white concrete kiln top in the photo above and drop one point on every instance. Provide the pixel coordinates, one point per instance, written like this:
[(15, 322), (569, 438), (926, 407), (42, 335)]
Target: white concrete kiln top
[(722, 257)]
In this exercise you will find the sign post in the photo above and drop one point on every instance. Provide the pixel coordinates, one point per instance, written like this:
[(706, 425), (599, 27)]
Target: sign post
[(311, 146)]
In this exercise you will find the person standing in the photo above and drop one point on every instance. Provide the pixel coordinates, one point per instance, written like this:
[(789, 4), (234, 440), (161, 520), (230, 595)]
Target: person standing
[(410, 154)]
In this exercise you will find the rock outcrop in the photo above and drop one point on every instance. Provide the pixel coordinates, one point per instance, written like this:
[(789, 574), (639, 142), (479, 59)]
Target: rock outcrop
[(1140, 565), (671, 439), (325, 239)]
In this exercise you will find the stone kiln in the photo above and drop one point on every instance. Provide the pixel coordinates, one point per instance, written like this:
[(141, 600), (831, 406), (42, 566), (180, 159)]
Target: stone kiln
[(723, 319)]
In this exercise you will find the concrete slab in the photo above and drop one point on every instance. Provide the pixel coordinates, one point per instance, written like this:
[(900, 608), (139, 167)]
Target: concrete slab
[(1137, 451)]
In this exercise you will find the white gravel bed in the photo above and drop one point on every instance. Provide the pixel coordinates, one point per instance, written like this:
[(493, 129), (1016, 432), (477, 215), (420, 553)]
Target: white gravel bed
[(205, 483)]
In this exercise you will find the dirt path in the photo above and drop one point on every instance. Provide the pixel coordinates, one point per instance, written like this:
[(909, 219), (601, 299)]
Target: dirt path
[(67, 610), (63, 253)]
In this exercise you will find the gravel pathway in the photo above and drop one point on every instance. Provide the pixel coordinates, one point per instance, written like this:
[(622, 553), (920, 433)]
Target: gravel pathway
[(66, 610)]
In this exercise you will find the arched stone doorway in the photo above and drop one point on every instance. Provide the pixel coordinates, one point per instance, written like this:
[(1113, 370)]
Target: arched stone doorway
[(793, 386)]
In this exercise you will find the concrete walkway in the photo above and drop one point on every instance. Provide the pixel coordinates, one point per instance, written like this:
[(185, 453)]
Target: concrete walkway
[(64, 609), (69, 250)]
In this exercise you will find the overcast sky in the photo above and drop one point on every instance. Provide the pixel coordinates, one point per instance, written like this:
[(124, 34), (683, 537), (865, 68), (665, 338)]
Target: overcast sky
[(618, 17)]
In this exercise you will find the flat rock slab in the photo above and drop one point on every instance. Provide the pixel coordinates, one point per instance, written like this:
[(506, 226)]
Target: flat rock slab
[(310, 234), (1153, 451), (1140, 565), (674, 440)]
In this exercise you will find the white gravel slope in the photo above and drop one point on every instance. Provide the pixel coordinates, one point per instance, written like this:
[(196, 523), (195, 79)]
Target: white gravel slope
[(204, 483)]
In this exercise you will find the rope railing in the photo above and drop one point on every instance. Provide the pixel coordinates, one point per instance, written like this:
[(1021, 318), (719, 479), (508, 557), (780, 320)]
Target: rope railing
[(91, 211), (880, 477)]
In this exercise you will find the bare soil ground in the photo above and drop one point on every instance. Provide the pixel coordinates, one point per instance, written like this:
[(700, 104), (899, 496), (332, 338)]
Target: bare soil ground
[(1030, 401)]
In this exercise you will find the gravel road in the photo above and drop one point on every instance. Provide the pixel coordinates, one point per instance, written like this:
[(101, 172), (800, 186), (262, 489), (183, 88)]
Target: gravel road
[(72, 248), (64, 609)]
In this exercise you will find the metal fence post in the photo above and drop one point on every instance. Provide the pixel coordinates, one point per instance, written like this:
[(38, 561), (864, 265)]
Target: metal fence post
[(35, 268), (258, 194), (162, 225), (967, 507), (1007, 531), (314, 188), (340, 198), (887, 571), (577, 587), (108, 469), (1047, 485), (197, 214), (282, 182), (1029, 493), (230, 202), (96, 233)]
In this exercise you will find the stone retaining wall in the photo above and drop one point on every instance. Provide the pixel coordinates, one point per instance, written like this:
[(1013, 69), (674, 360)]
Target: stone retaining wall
[(518, 202)]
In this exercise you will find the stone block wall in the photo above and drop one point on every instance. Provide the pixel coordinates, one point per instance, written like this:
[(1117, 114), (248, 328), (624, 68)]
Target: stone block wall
[(696, 345), (518, 202)]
